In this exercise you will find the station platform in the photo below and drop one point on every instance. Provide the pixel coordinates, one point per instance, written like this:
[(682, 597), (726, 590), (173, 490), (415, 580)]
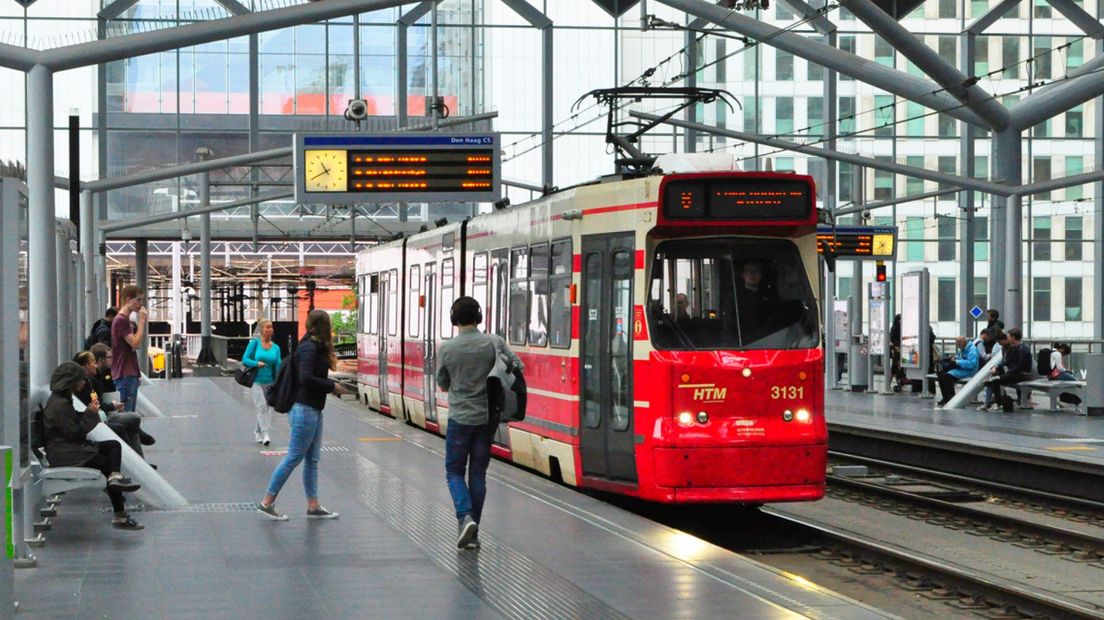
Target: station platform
[(1055, 452), (548, 551)]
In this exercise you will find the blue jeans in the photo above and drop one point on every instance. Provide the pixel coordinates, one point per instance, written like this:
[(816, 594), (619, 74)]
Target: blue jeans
[(468, 447), (128, 392), (305, 442), (1065, 375)]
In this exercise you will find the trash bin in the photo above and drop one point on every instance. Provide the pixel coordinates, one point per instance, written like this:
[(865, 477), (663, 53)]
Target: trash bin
[(1094, 384)]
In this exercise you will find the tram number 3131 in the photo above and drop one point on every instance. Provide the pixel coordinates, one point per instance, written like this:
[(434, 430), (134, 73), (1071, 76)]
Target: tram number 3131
[(789, 392)]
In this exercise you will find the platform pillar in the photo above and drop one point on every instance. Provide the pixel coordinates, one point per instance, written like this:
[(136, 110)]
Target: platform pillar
[(206, 354), (41, 242), (141, 279), (1007, 170)]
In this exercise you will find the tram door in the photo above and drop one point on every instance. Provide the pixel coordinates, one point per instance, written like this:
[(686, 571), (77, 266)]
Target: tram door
[(606, 402), (429, 343), (385, 285)]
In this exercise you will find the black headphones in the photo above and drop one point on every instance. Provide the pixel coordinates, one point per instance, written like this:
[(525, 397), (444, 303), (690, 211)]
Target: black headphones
[(465, 311)]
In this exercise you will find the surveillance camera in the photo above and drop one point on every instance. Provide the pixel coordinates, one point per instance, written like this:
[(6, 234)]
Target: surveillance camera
[(865, 214), (357, 110)]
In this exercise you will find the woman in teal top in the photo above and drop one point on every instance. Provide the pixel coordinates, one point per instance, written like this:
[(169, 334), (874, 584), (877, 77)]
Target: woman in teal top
[(265, 355)]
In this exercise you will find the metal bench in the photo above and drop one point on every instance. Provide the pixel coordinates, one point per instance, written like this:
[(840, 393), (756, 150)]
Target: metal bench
[(1053, 389)]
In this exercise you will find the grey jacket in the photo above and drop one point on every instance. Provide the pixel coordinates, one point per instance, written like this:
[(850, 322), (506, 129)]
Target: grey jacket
[(463, 364)]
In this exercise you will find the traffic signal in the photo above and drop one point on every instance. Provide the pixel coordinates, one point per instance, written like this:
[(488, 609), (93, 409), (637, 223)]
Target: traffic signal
[(880, 273)]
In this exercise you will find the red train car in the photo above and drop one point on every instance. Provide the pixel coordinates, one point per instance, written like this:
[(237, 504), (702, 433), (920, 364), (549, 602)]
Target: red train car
[(668, 324)]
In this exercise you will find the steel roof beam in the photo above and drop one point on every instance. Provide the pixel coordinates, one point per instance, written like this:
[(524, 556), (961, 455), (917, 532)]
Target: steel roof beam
[(858, 160), (991, 16), (115, 9), (924, 92), (944, 73), (530, 14), (818, 21), (233, 7), (172, 172), (871, 206), (1079, 16), (1078, 87), (176, 215), (413, 15)]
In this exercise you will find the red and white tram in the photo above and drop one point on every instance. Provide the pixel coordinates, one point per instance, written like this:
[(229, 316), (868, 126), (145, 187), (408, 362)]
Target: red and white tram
[(668, 325)]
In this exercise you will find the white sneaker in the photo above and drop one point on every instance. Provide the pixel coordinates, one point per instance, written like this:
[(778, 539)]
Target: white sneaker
[(258, 437), (984, 407), (266, 440)]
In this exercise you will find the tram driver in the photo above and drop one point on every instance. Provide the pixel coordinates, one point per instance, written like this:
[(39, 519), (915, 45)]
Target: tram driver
[(756, 300)]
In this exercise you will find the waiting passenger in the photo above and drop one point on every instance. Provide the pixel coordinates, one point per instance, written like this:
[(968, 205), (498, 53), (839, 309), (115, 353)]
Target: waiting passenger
[(314, 359), (994, 320), (65, 433), (263, 354), (964, 365), (125, 342), (999, 341), (463, 364), (1059, 372), (1014, 368), (101, 330), (127, 425)]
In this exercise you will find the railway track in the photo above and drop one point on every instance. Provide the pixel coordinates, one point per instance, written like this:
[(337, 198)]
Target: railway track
[(1056, 527)]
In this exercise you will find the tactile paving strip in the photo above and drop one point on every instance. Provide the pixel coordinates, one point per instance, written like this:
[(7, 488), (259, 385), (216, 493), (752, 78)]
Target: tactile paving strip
[(511, 583), (213, 507)]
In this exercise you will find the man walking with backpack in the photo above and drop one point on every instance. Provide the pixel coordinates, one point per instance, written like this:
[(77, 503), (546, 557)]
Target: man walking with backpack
[(464, 362)]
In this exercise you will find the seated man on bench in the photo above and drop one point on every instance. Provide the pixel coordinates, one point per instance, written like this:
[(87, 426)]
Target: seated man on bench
[(65, 430), (963, 366), (1015, 368), (1059, 372)]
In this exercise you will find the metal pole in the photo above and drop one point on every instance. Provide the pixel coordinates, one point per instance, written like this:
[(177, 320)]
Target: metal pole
[(42, 275), (254, 127), (547, 85), (1098, 211), (206, 355), (689, 136), (101, 270), (402, 89), (356, 55), (1006, 156), (829, 192), (88, 253), (141, 279), (64, 289), (174, 294), (966, 201), (74, 172), (433, 63)]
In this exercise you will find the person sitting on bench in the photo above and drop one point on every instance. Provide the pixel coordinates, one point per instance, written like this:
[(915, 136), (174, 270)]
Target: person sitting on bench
[(126, 424), (1015, 367), (1059, 372), (963, 366), (65, 432)]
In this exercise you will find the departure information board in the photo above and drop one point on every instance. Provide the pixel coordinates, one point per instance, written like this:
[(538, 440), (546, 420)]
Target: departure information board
[(860, 242), (350, 168)]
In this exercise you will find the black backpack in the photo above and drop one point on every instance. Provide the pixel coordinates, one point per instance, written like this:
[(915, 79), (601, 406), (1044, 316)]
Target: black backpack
[(281, 394), (1042, 362)]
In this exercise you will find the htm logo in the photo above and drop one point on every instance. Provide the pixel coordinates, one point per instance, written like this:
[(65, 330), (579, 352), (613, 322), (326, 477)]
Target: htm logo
[(710, 393)]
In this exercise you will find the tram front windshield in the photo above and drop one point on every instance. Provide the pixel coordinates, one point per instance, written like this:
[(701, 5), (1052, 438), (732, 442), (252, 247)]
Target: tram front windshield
[(730, 293)]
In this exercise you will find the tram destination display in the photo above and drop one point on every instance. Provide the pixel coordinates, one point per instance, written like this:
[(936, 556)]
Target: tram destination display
[(738, 199), (349, 168), (858, 242)]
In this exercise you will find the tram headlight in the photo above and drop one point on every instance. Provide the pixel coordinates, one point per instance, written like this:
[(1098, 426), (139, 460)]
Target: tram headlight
[(686, 418), (787, 416), (803, 416), (703, 417)]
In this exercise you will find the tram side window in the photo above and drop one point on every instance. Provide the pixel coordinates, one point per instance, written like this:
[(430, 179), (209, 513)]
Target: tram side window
[(479, 286), (519, 295), (373, 303), (731, 294), (361, 299), (538, 295), (393, 302), (560, 314), (414, 299), (500, 284), (446, 298)]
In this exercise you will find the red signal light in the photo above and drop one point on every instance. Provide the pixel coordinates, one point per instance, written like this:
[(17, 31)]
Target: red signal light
[(880, 273)]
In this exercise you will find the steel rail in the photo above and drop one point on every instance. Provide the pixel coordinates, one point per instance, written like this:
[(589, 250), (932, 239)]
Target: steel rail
[(1000, 588)]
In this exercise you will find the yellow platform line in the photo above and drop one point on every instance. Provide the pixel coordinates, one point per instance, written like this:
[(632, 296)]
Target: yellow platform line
[(1071, 448), (377, 439)]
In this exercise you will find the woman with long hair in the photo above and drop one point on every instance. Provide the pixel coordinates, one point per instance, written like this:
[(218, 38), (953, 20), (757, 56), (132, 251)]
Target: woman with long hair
[(264, 355), (314, 359)]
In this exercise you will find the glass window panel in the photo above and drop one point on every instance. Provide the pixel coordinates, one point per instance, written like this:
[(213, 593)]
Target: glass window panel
[(948, 127), (448, 278), (560, 313), (883, 115), (846, 115), (1075, 122), (519, 295), (783, 115), (981, 57), (393, 302), (914, 232), (948, 164), (1075, 234), (622, 269), (1073, 299), (538, 295), (847, 44), (592, 330), (413, 329), (1041, 238), (1043, 52), (1075, 53), (1075, 164), (1041, 172), (1042, 9), (1010, 56), (914, 185), (883, 51), (815, 116), (947, 8), (916, 114), (945, 299), (948, 238), (783, 64), (981, 293), (1040, 299)]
